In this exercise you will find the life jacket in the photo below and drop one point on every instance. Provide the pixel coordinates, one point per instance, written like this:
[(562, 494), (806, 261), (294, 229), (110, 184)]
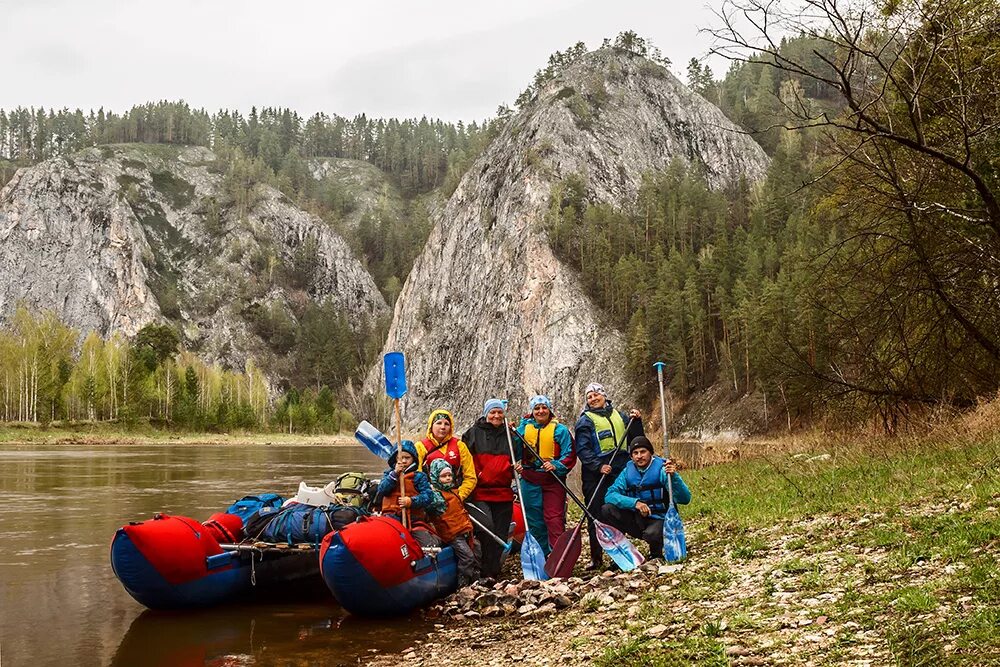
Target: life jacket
[(542, 441), (647, 486), (455, 520), (448, 451), (390, 501), (609, 429)]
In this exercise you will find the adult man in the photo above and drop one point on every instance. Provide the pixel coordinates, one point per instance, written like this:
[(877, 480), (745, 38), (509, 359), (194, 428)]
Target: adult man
[(638, 499), (598, 431), (544, 501)]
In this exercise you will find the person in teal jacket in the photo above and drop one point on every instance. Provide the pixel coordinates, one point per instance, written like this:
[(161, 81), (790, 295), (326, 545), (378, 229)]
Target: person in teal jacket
[(638, 499), (544, 501)]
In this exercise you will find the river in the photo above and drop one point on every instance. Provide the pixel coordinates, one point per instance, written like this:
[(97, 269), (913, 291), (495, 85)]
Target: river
[(60, 603)]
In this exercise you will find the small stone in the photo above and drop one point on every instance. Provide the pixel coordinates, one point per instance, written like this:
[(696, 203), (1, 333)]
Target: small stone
[(526, 609), (631, 597), (821, 620), (657, 631), (410, 656)]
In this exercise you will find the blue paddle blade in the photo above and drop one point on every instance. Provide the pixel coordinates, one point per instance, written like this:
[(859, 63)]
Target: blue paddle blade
[(674, 543), (616, 545), (395, 374), (532, 559), (374, 440)]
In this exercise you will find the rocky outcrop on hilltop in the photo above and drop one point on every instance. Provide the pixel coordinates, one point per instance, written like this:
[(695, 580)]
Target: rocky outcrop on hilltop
[(488, 310), (116, 237), (357, 188)]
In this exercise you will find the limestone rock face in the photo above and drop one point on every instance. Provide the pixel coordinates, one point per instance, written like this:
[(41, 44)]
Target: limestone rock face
[(116, 237), (488, 310)]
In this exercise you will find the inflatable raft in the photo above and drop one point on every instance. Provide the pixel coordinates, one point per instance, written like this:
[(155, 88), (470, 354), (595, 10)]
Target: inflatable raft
[(376, 568), (175, 562)]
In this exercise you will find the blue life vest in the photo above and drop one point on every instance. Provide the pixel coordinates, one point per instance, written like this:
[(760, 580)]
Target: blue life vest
[(647, 486)]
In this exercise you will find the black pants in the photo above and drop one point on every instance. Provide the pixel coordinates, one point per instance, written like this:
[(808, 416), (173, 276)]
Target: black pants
[(591, 483), (495, 517), (632, 523), (467, 559)]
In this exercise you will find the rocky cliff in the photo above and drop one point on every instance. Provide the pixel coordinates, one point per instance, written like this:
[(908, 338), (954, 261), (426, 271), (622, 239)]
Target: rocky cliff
[(116, 237), (488, 310)]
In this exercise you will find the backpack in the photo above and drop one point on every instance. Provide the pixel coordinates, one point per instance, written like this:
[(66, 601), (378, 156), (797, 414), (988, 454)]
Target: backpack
[(298, 523), (248, 506)]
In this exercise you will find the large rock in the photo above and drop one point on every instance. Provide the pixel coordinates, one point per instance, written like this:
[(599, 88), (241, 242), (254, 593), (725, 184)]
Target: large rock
[(488, 310), (114, 238)]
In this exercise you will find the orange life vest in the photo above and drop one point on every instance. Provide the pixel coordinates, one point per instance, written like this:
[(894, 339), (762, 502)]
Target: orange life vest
[(390, 501), (455, 520)]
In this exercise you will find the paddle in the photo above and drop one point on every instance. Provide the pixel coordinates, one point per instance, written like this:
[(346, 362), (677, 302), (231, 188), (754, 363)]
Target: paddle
[(612, 540), (674, 543), (566, 554), (395, 388), (506, 545), (532, 556), (374, 440)]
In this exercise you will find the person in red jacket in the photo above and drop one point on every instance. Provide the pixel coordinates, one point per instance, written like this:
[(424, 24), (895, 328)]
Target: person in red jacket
[(492, 500)]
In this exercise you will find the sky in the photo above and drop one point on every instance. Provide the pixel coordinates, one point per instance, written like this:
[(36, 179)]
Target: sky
[(391, 58)]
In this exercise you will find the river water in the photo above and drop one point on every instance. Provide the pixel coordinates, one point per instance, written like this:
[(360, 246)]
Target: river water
[(60, 603)]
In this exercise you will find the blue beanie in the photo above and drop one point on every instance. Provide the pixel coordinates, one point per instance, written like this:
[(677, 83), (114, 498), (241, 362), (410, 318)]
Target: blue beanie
[(539, 400), (493, 404)]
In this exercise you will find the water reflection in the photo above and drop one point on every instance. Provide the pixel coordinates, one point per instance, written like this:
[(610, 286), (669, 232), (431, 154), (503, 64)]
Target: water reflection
[(59, 600), (263, 636)]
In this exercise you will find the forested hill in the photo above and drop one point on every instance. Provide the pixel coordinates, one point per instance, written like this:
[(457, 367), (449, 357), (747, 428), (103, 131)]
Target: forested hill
[(860, 280), (421, 154)]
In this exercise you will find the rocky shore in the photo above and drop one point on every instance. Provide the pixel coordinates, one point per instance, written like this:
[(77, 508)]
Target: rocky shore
[(816, 591)]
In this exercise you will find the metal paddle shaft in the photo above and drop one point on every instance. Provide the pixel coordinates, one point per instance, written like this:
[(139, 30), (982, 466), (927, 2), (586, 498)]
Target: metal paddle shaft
[(569, 545), (496, 538), (532, 556), (674, 541)]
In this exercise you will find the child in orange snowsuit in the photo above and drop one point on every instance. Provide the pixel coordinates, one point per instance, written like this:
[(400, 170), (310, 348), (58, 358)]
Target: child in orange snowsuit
[(453, 526)]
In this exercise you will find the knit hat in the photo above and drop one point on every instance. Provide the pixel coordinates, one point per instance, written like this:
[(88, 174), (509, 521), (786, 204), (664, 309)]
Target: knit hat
[(596, 386), (493, 404), (539, 400), (437, 466), (640, 442)]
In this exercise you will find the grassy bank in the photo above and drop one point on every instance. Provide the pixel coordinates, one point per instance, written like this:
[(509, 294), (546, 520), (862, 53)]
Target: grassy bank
[(865, 553)]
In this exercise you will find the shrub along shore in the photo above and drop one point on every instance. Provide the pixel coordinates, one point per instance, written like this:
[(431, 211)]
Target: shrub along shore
[(839, 551)]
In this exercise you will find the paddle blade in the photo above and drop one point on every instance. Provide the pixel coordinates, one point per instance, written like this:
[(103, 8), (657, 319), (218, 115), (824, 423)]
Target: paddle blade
[(674, 543), (616, 545), (565, 554), (533, 559), (374, 440), (395, 375)]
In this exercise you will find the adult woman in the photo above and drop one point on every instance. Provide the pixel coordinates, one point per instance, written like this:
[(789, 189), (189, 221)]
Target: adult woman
[(493, 498), (544, 501), (442, 443)]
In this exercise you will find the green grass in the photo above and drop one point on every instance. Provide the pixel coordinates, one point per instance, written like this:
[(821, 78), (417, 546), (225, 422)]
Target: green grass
[(644, 652)]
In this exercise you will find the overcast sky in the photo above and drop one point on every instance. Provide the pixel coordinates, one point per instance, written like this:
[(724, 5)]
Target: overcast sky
[(450, 59)]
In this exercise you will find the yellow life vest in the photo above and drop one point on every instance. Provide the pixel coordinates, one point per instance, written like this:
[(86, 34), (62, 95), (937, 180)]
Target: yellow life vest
[(542, 440), (609, 430)]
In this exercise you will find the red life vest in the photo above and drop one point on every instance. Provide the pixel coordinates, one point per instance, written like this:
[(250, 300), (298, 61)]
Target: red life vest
[(448, 451)]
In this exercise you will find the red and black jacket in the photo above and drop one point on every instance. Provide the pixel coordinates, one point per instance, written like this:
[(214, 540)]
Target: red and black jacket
[(488, 445)]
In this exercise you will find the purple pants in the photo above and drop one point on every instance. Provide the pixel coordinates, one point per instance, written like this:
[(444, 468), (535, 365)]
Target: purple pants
[(544, 505)]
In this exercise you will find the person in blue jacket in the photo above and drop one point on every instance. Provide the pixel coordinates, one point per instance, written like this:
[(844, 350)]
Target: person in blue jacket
[(638, 499), (598, 430), (417, 495)]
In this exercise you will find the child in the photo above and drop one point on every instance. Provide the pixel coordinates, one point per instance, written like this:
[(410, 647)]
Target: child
[(441, 443), (418, 496), (453, 525)]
